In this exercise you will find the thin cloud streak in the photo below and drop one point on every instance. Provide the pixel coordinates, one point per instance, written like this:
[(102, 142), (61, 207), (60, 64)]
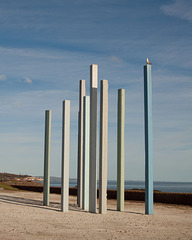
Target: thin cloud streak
[(179, 8)]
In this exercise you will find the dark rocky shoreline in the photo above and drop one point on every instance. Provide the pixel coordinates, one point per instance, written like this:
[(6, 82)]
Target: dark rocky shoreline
[(136, 195)]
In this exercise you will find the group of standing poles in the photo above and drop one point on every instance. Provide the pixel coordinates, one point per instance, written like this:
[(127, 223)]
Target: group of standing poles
[(87, 147)]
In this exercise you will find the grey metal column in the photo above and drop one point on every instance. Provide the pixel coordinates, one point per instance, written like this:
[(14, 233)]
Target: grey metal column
[(86, 148), (93, 139), (103, 149), (80, 144), (120, 149), (65, 157), (46, 187)]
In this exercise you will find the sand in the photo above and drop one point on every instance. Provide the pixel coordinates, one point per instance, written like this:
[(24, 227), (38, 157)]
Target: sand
[(22, 216)]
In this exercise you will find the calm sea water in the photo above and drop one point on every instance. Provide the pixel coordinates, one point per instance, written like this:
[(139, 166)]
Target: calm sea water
[(183, 187)]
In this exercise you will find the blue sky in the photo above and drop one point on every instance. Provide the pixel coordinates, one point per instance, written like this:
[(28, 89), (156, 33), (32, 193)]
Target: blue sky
[(46, 47)]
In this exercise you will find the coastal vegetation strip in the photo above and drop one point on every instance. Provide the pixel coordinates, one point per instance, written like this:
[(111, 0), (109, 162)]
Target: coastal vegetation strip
[(6, 186)]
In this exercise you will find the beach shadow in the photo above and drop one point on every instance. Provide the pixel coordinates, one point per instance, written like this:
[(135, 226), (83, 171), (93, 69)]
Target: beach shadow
[(74, 207), (114, 210), (29, 202), (53, 206)]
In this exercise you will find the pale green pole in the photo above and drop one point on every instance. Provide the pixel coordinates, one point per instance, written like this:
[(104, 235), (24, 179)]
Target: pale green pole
[(103, 147), (65, 157), (86, 140), (120, 149), (80, 145), (46, 187)]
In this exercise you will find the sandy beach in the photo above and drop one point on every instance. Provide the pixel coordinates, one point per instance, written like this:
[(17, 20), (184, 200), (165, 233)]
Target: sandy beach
[(24, 217)]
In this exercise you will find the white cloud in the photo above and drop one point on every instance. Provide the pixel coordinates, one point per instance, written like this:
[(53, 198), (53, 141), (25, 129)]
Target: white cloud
[(3, 77), (28, 80), (116, 59), (179, 8)]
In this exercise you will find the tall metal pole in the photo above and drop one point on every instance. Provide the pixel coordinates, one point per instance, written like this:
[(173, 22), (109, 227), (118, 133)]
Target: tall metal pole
[(120, 149), (86, 137), (148, 140), (93, 139), (80, 145), (103, 149), (65, 157), (46, 187)]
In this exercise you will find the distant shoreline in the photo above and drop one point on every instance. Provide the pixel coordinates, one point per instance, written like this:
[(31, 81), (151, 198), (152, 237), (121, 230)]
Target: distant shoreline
[(178, 187), (162, 186)]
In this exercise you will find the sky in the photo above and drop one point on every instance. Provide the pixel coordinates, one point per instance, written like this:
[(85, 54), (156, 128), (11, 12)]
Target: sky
[(46, 47)]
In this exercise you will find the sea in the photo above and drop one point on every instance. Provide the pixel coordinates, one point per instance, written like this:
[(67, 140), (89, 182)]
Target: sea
[(182, 187)]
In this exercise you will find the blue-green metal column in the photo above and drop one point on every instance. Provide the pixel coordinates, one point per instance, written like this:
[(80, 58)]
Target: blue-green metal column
[(148, 140), (46, 186)]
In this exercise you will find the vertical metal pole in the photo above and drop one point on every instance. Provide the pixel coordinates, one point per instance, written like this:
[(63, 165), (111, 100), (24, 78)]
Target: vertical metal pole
[(65, 157), (93, 139), (80, 144), (86, 137), (148, 140), (46, 187), (120, 149), (103, 150)]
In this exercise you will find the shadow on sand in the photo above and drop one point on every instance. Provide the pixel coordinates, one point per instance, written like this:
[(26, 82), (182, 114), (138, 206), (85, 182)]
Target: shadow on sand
[(54, 206)]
